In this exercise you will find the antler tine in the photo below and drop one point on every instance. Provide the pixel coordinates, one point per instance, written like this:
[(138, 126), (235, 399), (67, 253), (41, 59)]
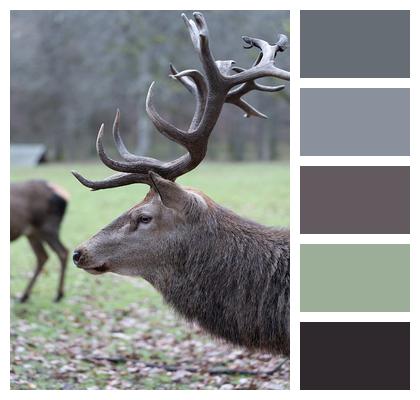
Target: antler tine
[(195, 83), (188, 83), (112, 181), (235, 97), (142, 165), (215, 85), (200, 38), (222, 82), (121, 166), (133, 172), (163, 126), (264, 65), (122, 149), (249, 110), (136, 171)]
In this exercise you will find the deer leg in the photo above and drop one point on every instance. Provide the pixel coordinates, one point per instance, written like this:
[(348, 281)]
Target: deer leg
[(41, 258), (62, 253)]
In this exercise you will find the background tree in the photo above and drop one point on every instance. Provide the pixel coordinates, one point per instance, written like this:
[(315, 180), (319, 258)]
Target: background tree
[(70, 70)]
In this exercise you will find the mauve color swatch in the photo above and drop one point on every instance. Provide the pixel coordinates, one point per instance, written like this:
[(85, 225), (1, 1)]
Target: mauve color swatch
[(355, 122), (355, 44), (355, 200), (355, 355)]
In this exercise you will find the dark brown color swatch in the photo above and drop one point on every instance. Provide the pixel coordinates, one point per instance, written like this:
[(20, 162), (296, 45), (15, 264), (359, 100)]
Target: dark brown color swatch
[(355, 355), (362, 200)]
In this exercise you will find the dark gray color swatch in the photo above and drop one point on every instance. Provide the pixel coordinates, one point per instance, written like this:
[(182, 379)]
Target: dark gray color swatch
[(364, 200), (355, 122), (355, 44), (355, 355)]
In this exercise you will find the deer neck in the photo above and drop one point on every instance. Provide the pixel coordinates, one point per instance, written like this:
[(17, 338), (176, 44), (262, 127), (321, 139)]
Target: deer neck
[(219, 278)]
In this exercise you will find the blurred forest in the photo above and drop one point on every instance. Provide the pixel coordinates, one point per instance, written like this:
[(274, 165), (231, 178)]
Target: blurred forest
[(70, 70)]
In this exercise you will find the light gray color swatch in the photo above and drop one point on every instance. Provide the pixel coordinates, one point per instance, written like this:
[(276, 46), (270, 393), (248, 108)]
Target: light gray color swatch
[(355, 122), (355, 44)]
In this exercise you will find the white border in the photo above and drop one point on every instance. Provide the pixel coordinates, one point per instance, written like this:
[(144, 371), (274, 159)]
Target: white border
[(414, 238), (294, 200)]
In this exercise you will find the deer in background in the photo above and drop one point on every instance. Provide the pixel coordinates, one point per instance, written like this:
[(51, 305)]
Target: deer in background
[(37, 208), (226, 273)]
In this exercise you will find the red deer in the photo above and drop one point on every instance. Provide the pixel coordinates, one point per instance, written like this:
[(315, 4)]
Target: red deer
[(228, 274), (37, 208)]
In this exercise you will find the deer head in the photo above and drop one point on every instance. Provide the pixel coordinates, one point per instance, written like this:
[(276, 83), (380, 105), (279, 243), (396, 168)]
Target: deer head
[(145, 239)]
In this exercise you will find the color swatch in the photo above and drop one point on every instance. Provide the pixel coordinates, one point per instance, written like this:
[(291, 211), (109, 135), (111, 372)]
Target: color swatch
[(355, 122), (355, 44), (355, 199), (355, 277), (355, 355)]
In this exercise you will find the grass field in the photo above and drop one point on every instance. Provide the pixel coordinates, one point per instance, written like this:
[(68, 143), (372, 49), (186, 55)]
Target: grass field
[(115, 332)]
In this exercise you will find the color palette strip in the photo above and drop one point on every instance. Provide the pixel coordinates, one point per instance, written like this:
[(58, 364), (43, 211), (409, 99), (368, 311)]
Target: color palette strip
[(355, 277), (355, 355), (349, 200), (355, 44), (353, 199), (355, 122)]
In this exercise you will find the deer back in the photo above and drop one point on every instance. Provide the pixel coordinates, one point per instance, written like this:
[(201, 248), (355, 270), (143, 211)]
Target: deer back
[(34, 204)]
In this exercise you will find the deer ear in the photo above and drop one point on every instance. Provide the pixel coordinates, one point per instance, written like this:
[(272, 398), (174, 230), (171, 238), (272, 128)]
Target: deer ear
[(171, 194)]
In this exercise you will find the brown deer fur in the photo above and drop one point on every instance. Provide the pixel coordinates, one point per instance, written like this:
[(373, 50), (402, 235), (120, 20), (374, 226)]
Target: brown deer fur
[(36, 211), (227, 273)]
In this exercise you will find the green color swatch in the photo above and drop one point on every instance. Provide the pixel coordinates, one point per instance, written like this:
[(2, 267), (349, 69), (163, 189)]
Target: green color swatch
[(360, 277)]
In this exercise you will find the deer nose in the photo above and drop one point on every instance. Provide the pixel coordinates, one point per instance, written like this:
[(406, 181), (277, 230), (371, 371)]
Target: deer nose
[(77, 254)]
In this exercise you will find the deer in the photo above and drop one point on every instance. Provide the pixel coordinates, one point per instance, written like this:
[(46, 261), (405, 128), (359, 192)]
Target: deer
[(226, 273), (37, 208)]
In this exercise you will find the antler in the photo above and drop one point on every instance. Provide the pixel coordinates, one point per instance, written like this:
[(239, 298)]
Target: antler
[(221, 83)]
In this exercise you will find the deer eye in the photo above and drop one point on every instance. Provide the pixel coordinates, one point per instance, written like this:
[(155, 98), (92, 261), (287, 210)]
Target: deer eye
[(144, 219)]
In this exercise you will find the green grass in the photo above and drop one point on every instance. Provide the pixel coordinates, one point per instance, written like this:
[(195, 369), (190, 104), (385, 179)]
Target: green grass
[(257, 191)]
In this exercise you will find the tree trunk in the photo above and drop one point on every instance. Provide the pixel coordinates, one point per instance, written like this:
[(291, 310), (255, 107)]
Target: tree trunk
[(143, 127)]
